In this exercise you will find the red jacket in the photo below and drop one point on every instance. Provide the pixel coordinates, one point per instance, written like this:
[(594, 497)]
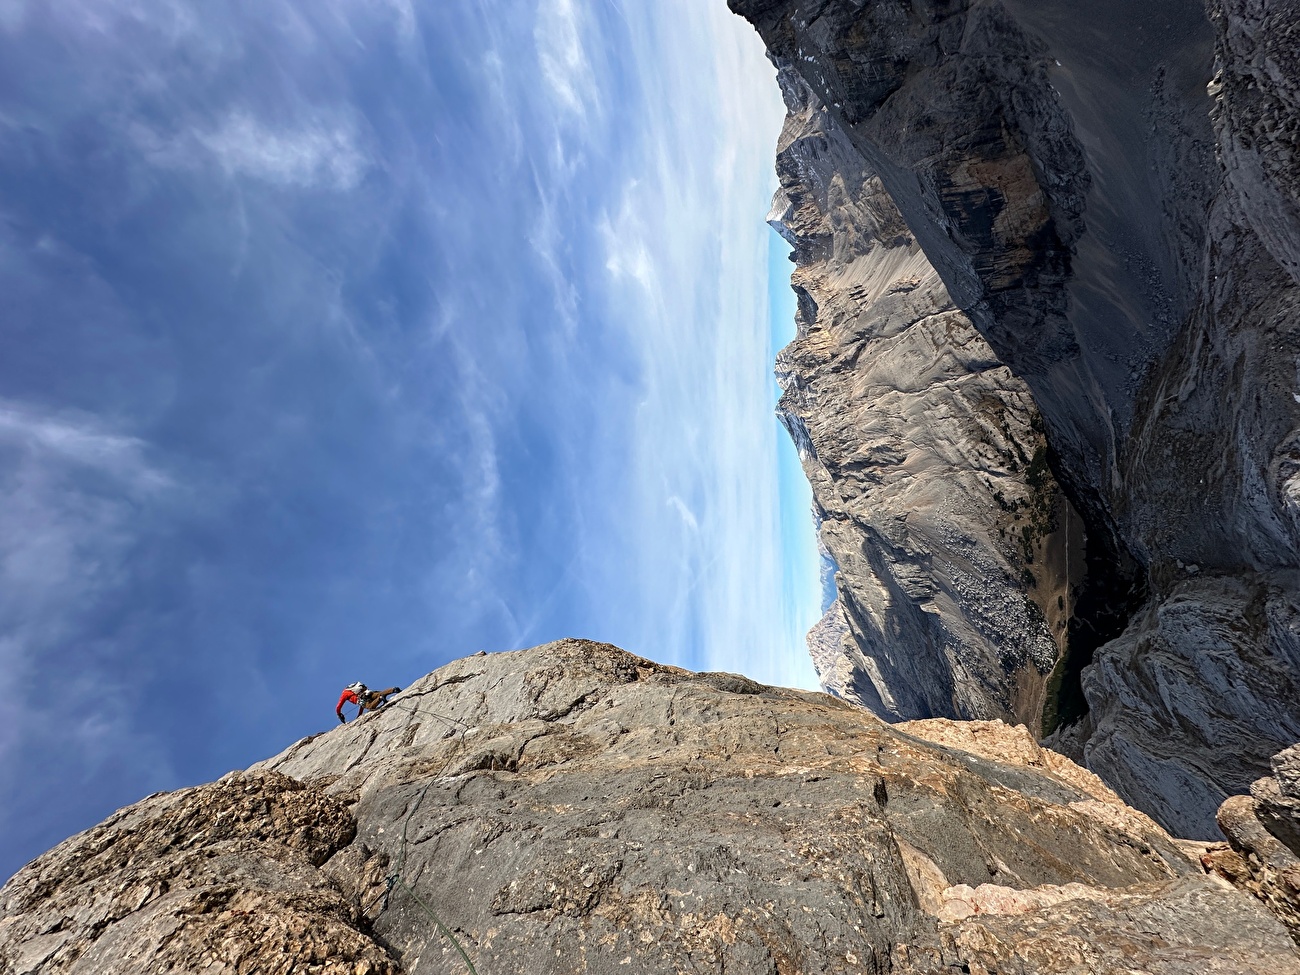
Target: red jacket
[(349, 696)]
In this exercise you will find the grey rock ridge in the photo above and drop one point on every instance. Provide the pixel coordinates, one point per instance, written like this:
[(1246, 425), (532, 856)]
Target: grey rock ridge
[(1107, 194), (574, 808), (926, 456)]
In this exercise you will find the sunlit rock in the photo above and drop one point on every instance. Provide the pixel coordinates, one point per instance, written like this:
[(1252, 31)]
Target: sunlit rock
[(573, 808)]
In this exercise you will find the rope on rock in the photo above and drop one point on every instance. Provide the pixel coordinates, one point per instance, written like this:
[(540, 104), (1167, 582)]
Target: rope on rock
[(409, 709), (438, 921), (396, 879)]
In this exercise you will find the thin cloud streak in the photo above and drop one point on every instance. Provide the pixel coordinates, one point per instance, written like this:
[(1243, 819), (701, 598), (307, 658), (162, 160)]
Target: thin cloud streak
[(683, 238), (80, 440), (562, 55), (317, 155), (74, 499)]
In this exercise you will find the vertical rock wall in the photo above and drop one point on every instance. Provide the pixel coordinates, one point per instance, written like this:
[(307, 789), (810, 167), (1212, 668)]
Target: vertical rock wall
[(1108, 193), (926, 456)]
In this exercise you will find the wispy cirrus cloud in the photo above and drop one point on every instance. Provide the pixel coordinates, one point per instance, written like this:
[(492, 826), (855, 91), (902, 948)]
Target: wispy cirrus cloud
[(80, 440), (681, 241), (313, 153), (380, 333), (562, 54), (321, 154), (71, 494), (75, 497)]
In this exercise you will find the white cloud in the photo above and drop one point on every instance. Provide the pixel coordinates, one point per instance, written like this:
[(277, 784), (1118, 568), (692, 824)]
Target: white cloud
[(71, 496), (547, 243), (71, 489), (403, 13), (322, 154), (505, 118), (687, 516), (626, 255), (172, 19), (81, 440), (316, 155), (566, 70)]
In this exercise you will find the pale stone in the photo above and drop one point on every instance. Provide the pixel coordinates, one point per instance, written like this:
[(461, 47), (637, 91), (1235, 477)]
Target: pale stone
[(616, 815)]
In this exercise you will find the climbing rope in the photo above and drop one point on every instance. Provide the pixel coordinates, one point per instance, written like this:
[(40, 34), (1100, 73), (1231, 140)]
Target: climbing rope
[(409, 709), (438, 921), (396, 879), (425, 711)]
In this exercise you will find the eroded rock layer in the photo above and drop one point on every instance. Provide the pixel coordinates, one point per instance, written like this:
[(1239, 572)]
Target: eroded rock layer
[(1108, 194), (574, 808)]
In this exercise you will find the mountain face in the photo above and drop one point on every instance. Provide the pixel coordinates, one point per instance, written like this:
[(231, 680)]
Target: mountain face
[(927, 458), (1068, 233), (574, 808)]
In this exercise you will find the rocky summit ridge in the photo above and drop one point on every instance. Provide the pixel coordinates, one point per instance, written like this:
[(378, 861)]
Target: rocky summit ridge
[(575, 808), (1044, 383)]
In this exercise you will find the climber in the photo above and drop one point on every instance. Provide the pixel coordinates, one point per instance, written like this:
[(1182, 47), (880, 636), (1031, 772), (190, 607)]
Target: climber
[(364, 698)]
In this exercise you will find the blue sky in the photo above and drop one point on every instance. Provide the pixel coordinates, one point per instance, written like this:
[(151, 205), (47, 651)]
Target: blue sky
[(344, 338)]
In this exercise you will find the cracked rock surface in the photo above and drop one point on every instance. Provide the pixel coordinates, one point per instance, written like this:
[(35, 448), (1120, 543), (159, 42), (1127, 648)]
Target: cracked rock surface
[(574, 808), (224, 877)]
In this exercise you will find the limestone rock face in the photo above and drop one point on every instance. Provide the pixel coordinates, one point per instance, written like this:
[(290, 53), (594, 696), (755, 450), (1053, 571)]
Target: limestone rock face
[(1257, 119), (574, 808), (926, 456), (227, 877), (1262, 855), (1108, 194), (1218, 660)]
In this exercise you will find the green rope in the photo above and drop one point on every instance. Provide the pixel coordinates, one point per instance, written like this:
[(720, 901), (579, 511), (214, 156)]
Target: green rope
[(396, 879), (438, 921)]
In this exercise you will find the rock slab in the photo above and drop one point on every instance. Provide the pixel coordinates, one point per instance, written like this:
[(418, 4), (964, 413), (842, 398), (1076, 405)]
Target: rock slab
[(575, 808)]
